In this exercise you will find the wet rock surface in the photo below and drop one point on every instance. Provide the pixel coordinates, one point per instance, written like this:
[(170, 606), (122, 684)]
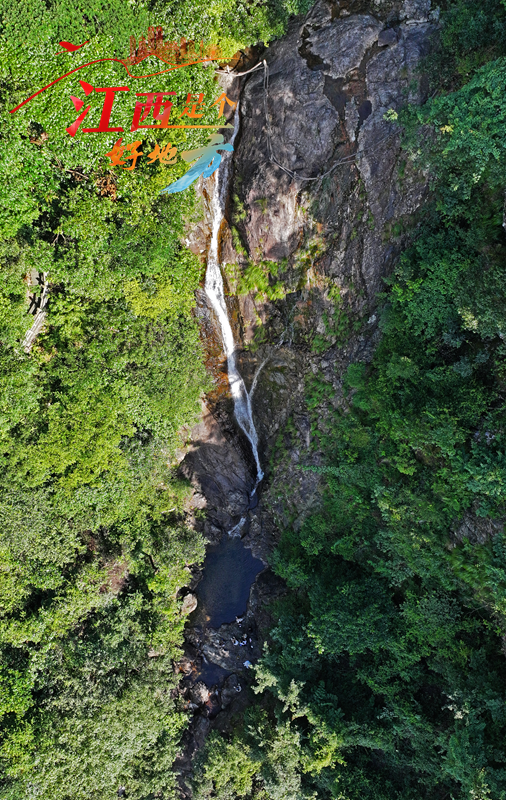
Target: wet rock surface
[(220, 474), (230, 689), (331, 80), (230, 648), (342, 44)]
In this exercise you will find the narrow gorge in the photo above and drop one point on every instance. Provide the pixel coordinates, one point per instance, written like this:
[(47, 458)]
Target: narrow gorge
[(317, 197), (253, 400)]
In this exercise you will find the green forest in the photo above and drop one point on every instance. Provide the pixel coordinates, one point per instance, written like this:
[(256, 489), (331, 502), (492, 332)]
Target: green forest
[(384, 677), (94, 548)]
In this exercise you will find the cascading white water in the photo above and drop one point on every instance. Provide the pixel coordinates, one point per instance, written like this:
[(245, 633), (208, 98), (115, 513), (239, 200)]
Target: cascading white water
[(215, 293)]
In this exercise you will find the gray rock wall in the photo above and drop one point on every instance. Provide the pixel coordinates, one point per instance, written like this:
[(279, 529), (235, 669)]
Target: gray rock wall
[(331, 79)]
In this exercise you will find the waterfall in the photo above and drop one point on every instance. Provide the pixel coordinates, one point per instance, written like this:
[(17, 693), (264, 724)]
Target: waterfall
[(215, 293)]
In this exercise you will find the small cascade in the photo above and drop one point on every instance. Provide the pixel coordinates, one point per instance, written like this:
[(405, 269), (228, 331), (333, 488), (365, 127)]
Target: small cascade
[(215, 293)]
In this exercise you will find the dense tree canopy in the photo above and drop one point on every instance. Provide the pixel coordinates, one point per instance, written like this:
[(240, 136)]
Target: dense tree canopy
[(94, 548)]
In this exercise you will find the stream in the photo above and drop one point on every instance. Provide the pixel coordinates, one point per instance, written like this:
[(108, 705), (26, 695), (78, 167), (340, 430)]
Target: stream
[(216, 295), (230, 568)]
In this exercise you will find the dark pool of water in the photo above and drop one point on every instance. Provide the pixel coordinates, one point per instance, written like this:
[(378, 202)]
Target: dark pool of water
[(212, 674), (229, 570)]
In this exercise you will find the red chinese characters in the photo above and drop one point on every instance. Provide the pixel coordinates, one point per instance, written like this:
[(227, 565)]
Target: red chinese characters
[(222, 99), (117, 152), (165, 155), (189, 104), (103, 126), (157, 102), (161, 109)]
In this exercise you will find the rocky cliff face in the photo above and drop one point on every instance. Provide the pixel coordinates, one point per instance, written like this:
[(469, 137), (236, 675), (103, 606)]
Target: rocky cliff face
[(323, 194), (321, 205)]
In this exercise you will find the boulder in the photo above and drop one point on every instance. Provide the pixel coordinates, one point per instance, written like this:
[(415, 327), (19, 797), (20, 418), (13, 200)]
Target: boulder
[(190, 603), (230, 690), (199, 694)]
